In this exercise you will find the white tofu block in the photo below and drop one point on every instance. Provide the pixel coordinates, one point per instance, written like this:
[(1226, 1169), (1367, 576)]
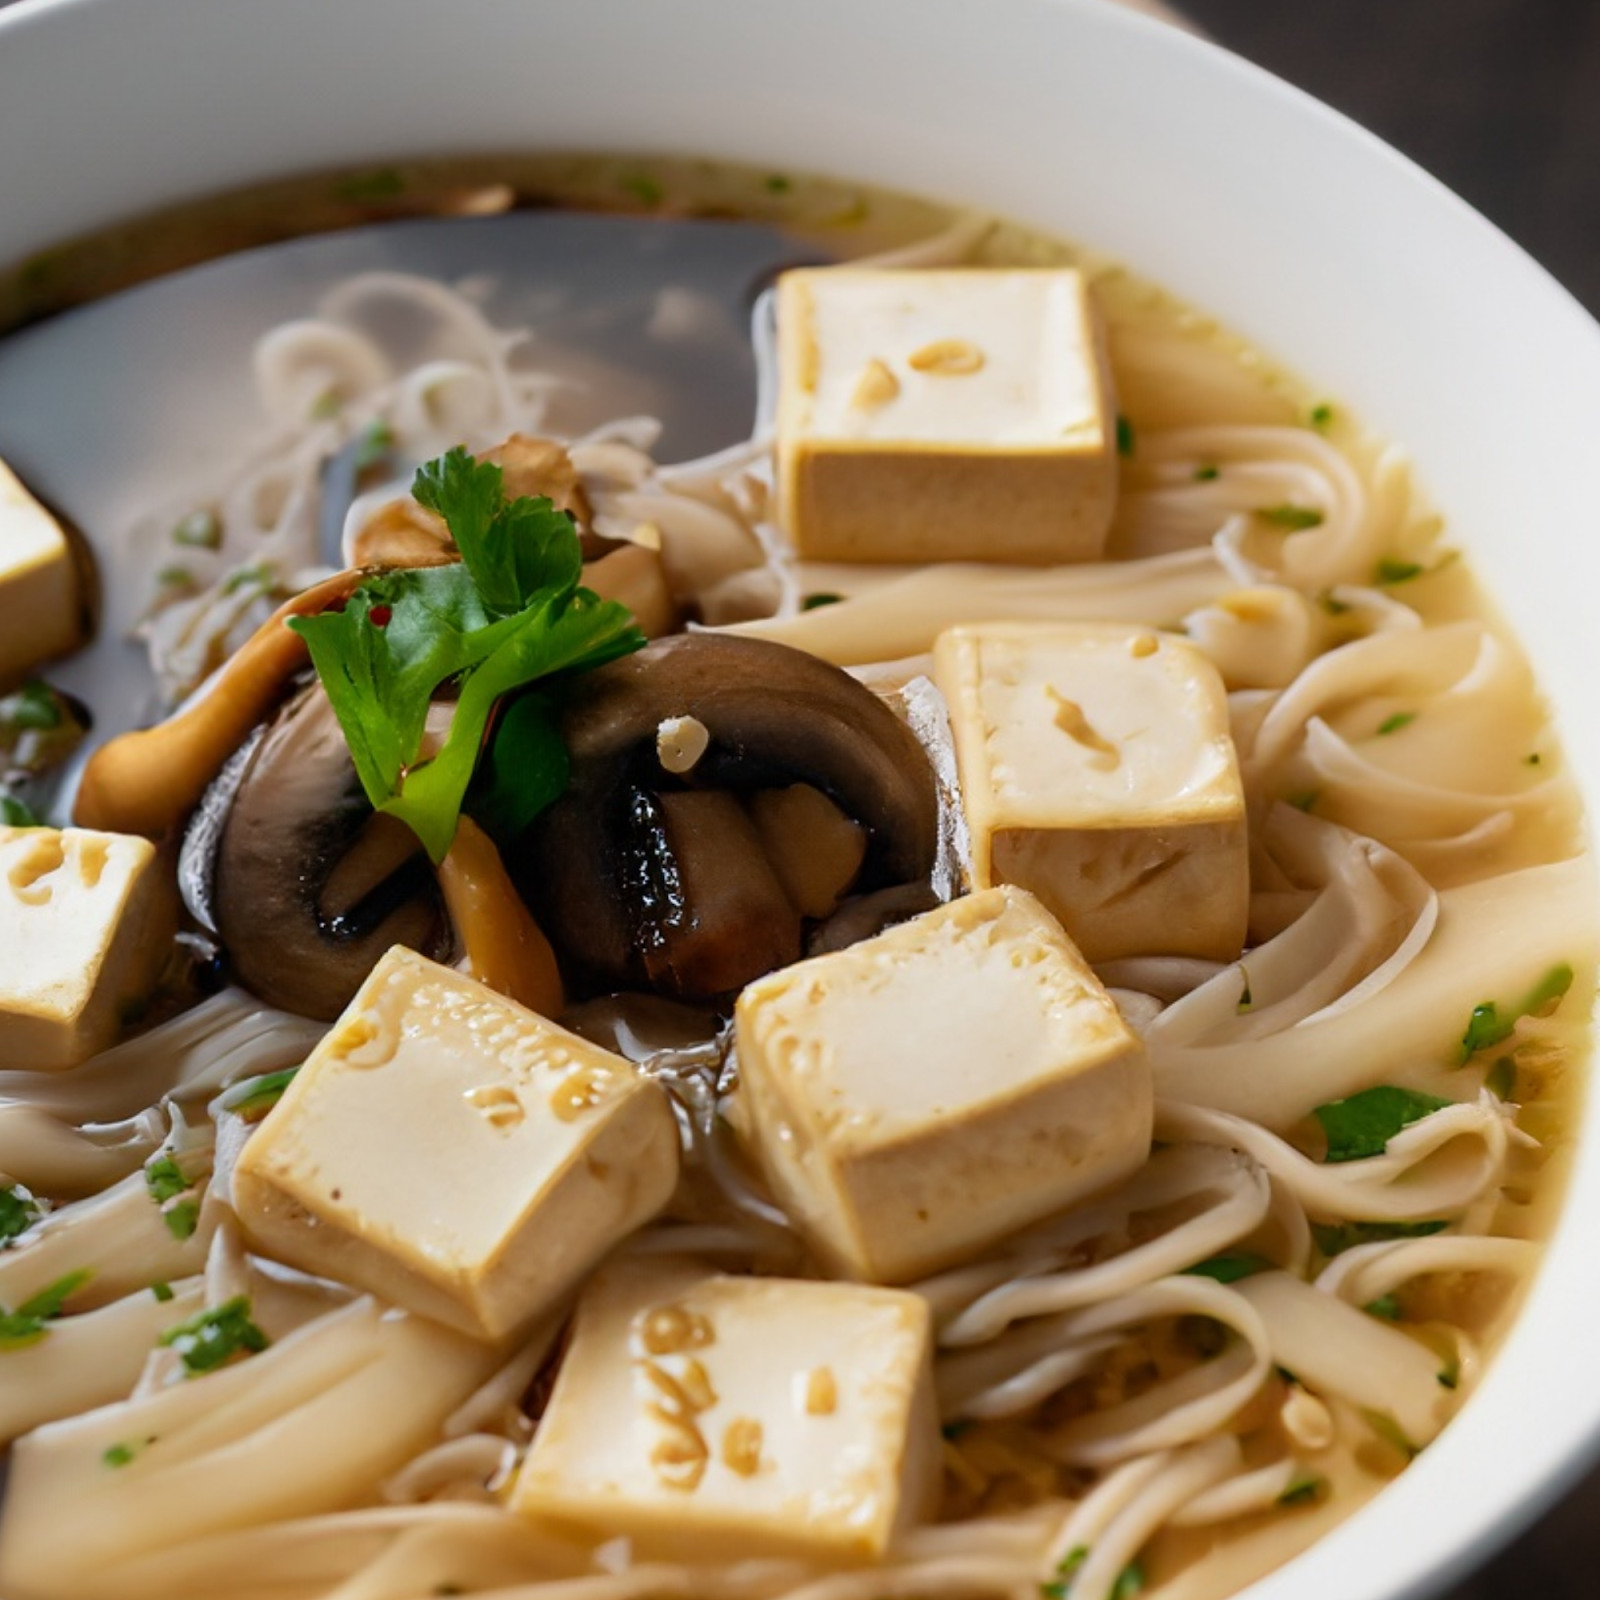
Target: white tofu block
[(921, 1095), (962, 415), (711, 1417), (41, 597), (455, 1153), (85, 925), (1098, 770)]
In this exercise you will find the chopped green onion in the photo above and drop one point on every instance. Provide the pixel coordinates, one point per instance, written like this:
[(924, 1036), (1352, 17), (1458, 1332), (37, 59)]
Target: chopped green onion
[(1321, 415), (1291, 518), (377, 440), (1209, 473), (1399, 720), (15, 813), (1391, 571), (163, 1292), (1229, 1267), (645, 189), (1501, 1079), (1125, 436), (778, 184), (1333, 1239), (18, 1212), (33, 708), (1487, 1028), (253, 1098), (1386, 1307), (383, 184), (27, 1324), (213, 1338), (813, 602)]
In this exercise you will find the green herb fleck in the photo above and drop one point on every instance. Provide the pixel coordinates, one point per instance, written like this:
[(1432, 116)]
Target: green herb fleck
[(27, 1324), (1208, 473), (645, 189), (1321, 415), (213, 1338), (1531, 760), (1487, 1027), (1304, 799), (255, 1097), (1229, 1267), (1399, 720), (1333, 1239), (778, 184), (1126, 438), (1501, 1079), (33, 708), (1130, 1581), (163, 1292), (1332, 604), (1363, 1124), (175, 578), (1291, 518), (200, 530), (510, 613), (1303, 1491), (257, 575), (182, 1217), (1390, 571), (18, 1212), (814, 602), (1389, 1431), (377, 440), (1449, 1374), (15, 813), (120, 1455), (1386, 1308), (383, 184)]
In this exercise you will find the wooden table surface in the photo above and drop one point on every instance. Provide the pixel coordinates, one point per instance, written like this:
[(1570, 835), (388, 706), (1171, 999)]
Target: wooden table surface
[(1501, 100)]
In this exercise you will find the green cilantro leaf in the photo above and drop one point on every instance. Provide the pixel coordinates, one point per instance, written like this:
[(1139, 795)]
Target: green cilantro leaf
[(1334, 1239), (1126, 438), (510, 613), (1363, 1125), (1303, 1491), (18, 1212), (1487, 1027), (1229, 1267), (26, 1325), (524, 768), (1399, 720), (1391, 571), (213, 1338), (15, 813), (1386, 1308)]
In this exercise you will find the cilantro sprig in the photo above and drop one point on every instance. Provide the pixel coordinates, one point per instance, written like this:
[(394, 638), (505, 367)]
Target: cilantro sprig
[(511, 613)]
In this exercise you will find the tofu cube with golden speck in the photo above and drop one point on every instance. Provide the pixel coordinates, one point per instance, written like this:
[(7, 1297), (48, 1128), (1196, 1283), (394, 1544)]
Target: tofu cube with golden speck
[(961, 415), (920, 1095), (749, 1416), (455, 1153), (42, 604), (85, 924), (1098, 770)]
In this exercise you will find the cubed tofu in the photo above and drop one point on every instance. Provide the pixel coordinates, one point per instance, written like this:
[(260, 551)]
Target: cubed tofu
[(85, 924), (740, 1416), (961, 415), (919, 1096), (455, 1153), (1098, 770), (42, 609)]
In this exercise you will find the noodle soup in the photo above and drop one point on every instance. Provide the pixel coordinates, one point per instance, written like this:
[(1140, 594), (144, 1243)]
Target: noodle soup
[(1332, 1135)]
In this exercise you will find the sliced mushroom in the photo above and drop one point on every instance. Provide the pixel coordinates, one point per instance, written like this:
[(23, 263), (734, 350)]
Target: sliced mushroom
[(308, 887), (613, 881)]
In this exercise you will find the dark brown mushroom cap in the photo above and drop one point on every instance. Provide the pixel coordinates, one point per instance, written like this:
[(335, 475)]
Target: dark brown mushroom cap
[(775, 716), (308, 887)]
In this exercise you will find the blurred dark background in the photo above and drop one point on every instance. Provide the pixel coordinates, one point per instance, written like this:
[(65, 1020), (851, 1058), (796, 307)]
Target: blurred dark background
[(1498, 98)]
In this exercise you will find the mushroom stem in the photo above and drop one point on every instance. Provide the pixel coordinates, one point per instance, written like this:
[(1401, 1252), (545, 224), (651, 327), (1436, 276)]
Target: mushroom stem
[(505, 948), (148, 781)]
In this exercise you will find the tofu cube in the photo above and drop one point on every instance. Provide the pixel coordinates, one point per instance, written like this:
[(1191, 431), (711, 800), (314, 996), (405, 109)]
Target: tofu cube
[(919, 1096), (42, 604), (961, 415), (455, 1153), (85, 924), (1098, 770), (740, 1416)]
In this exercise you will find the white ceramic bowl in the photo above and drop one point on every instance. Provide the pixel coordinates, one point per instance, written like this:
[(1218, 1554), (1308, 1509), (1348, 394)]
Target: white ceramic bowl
[(1304, 233)]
